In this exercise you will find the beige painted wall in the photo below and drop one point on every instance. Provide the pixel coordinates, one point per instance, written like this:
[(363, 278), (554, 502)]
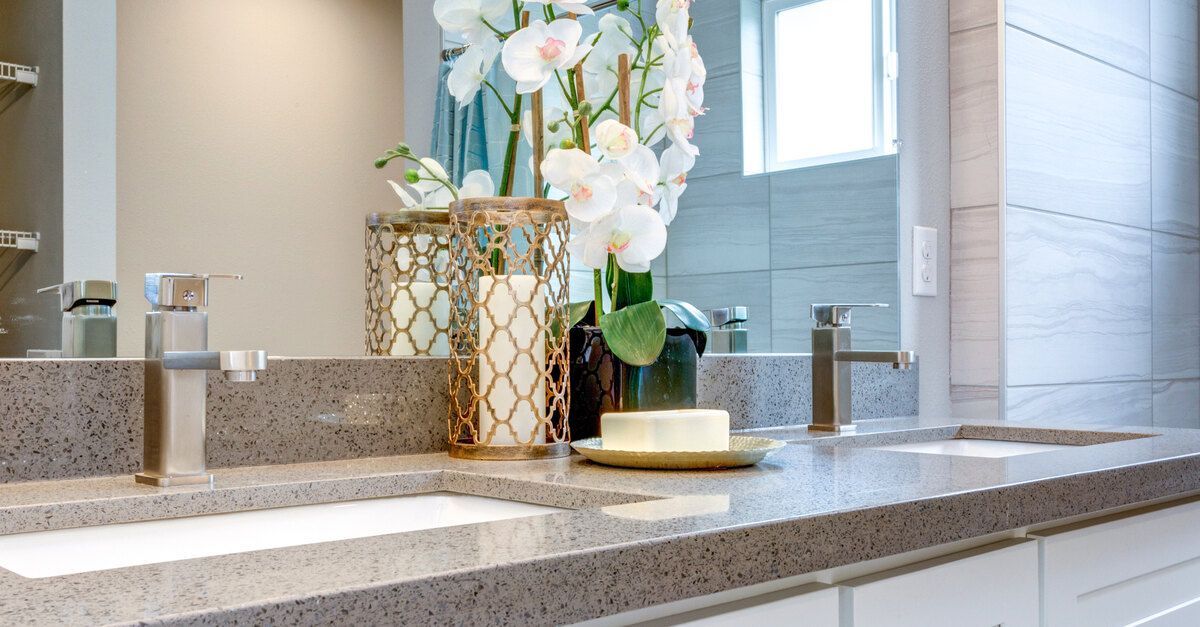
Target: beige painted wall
[(246, 130)]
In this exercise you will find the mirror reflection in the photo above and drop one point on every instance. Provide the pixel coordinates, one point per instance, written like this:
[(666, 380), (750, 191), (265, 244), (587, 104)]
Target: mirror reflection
[(242, 137)]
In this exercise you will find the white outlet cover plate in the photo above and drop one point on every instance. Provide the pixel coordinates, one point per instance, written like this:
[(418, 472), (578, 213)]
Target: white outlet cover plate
[(924, 261)]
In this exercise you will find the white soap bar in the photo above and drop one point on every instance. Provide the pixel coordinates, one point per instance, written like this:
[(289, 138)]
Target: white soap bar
[(671, 430)]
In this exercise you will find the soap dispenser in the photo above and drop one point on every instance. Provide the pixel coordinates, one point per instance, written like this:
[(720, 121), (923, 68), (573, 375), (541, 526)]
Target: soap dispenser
[(89, 326)]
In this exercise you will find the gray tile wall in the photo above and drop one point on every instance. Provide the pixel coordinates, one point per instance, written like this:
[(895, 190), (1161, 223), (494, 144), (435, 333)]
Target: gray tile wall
[(776, 242), (1089, 273)]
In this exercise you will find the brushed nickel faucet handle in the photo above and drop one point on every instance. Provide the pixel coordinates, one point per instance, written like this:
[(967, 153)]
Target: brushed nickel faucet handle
[(176, 290), (837, 315)]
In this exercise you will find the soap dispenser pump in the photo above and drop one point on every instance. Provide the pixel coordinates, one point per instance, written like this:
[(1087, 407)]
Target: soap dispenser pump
[(89, 326)]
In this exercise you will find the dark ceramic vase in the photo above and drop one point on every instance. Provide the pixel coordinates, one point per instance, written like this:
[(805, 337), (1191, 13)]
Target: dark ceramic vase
[(601, 383)]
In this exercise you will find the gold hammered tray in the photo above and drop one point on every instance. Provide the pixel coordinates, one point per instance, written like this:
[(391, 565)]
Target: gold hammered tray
[(743, 451)]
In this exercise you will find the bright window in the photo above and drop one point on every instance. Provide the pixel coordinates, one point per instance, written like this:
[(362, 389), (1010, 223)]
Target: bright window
[(829, 75)]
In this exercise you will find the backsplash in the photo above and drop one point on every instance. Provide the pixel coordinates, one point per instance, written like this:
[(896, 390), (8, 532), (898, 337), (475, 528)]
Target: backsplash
[(65, 419)]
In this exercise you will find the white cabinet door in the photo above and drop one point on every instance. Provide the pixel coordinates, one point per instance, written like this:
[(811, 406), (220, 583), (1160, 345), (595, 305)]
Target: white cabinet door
[(1136, 568), (813, 605), (993, 585)]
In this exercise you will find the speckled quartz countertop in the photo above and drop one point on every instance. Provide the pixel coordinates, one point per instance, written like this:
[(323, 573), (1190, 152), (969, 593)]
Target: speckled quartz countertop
[(635, 538)]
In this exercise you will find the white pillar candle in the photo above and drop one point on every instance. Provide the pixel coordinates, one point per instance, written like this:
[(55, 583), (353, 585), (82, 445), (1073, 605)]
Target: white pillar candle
[(671, 430), (422, 310), (512, 315)]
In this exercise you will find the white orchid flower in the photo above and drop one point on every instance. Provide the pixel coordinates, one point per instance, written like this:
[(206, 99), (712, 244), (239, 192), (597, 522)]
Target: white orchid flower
[(673, 170), (673, 17), (408, 198), (470, 18), (472, 69), (634, 235), (641, 171), (686, 66), (615, 140), (678, 120), (477, 184), (578, 8), (591, 193), (615, 38), (532, 54), (433, 184)]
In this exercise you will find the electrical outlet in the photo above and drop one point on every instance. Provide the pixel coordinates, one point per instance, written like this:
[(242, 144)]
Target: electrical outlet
[(924, 261)]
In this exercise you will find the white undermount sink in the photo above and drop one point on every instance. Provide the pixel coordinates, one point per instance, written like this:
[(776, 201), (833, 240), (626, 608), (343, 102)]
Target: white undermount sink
[(68, 551), (973, 448)]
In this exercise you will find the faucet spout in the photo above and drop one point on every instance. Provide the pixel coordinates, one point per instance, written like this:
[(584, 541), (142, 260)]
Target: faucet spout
[(238, 366), (900, 360)]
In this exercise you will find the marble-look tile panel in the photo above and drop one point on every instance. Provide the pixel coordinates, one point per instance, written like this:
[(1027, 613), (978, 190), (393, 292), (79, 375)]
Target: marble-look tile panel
[(836, 214), (723, 225), (1078, 296), (794, 291), (1114, 31), (1176, 307), (751, 289), (974, 118), (974, 402), (1173, 45), (1177, 403), (719, 131), (1126, 403), (715, 28), (776, 390), (966, 14), (975, 297), (1175, 146), (1078, 134)]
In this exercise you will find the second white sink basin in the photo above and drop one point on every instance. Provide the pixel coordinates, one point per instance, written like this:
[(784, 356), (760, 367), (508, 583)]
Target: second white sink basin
[(85, 549), (973, 448)]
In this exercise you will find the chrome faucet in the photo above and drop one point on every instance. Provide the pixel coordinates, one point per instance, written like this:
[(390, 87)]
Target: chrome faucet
[(177, 358), (831, 361)]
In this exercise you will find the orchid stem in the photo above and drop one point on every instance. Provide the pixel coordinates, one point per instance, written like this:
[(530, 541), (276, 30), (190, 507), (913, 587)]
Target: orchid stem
[(598, 298)]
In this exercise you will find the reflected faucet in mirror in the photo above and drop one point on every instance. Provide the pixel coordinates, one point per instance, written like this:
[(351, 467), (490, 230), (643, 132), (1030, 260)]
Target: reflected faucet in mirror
[(176, 380), (831, 365)]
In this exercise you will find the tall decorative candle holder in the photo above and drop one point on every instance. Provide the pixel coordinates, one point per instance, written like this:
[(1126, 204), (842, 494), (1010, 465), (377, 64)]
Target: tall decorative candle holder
[(408, 283), (509, 324)]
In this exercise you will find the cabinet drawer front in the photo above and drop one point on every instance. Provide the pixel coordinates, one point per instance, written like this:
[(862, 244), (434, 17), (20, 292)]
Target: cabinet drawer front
[(991, 586), (811, 605), (1138, 568)]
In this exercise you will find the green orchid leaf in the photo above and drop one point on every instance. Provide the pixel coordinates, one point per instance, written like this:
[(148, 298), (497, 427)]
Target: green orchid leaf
[(579, 311), (632, 288), (687, 313), (635, 334)]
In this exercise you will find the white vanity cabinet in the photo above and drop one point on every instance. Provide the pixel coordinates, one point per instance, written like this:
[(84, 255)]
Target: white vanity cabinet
[(1142, 568), (993, 585)]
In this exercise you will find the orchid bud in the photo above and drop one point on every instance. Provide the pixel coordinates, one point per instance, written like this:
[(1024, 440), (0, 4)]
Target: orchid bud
[(585, 109), (412, 176), (622, 5), (553, 126), (566, 144), (403, 148), (380, 163)]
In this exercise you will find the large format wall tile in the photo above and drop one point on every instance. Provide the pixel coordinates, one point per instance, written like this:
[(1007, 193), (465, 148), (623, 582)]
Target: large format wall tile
[(974, 119), (723, 225), (751, 289), (794, 291), (1077, 300), (1115, 31), (975, 297), (719, 132), (1173, 44), (1078, 134), (1125, 403), (966, 14), (836, 214), (1176, 153), (715, 28), (1176, 307), (1177, 404)]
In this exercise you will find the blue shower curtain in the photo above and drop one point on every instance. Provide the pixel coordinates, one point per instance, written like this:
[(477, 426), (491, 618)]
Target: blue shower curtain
[(474, 137)]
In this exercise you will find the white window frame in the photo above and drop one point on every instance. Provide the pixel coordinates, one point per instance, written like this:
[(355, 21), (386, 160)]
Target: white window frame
[(885, 73)]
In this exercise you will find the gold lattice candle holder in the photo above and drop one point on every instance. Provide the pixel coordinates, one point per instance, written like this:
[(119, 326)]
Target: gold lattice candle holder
[(408, 283), (509, 358)]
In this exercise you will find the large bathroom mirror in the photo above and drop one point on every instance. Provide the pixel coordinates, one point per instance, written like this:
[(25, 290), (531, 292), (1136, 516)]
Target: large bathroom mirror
[(121, 161)]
